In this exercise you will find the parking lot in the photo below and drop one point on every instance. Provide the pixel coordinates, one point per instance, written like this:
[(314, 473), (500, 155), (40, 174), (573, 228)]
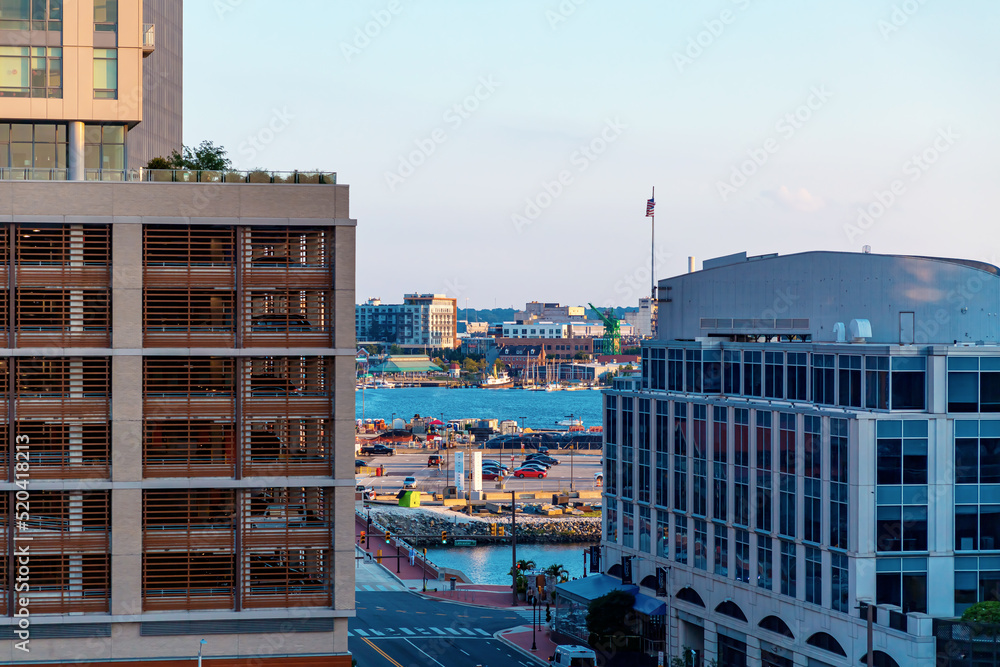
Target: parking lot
[(432, 480)]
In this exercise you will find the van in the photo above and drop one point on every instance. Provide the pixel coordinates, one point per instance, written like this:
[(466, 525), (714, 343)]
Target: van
[(574, 656)]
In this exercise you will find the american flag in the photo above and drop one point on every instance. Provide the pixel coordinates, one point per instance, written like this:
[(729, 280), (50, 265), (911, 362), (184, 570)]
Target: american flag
[(649, 208)]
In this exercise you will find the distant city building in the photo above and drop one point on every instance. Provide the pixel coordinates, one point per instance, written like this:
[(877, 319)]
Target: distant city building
[(558, 348), (479, 345), (642, 320), (535, 330), (426, 321), (473, 328), (808, 433), (549, 311), (521, 357)]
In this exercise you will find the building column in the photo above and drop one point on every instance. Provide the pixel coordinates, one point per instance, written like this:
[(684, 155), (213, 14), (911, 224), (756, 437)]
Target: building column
[(711, 651), (753, 650), (75, 152)]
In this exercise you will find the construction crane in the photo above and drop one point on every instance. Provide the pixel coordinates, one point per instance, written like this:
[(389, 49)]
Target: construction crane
[(611, 341)]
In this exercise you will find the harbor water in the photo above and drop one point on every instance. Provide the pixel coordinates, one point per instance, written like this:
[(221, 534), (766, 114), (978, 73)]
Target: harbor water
[(491, 564), (538, 409)]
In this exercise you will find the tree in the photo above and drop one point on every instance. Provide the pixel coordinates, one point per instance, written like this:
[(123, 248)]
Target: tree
[(609, 614), (581, 356), (205, 157), (986, 613), (558, 572), (395, 349), (159, 163)]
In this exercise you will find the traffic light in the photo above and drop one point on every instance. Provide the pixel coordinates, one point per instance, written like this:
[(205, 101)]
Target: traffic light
[(363, 539), (500, 531), (387, 536), (493, 529), (444, 537)]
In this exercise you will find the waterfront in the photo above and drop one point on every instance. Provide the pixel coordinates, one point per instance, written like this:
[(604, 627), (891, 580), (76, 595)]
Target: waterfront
[(491, 564), (539, 409)]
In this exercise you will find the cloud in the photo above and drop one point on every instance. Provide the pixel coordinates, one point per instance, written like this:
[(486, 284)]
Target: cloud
[(800, 200)]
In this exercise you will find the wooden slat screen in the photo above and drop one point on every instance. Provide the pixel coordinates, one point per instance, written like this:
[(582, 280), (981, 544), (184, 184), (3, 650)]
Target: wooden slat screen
[(288, 283), (188, 549), (68, 448), (189, 408), (287, 533), (57, 388), (188, 281), (70, 545), (62, 276), (287, 402)]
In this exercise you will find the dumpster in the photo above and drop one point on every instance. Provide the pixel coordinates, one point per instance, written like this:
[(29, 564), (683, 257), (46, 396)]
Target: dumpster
[(410, 499)]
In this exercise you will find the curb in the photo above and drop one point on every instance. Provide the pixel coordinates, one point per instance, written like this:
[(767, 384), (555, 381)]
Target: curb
[(499, 636)]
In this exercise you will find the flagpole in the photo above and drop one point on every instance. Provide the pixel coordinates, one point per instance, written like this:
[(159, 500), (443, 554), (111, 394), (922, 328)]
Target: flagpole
[(652, 254)]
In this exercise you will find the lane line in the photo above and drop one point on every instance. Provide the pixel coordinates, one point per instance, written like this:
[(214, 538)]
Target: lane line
[(383, 653), (428, 656)]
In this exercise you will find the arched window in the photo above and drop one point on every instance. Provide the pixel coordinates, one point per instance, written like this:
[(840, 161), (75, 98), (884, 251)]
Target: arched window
[(775, 624), (649, 581), (731, 609), (615, 570), (879, 659), (688, 594), (827, 643)]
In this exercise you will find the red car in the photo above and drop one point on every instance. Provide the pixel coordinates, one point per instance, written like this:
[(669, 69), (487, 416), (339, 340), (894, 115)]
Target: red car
[(529, 472), (492, 476)]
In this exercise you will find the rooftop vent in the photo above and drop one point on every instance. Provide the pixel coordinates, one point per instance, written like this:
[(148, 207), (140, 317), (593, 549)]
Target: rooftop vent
[(839, 332), (861, 330)]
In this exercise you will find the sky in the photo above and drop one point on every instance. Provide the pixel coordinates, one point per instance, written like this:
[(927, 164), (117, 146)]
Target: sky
[(503, 152)]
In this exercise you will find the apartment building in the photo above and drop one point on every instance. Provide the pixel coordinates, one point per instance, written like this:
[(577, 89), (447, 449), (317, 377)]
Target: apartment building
[(810, 435), (421, 322), (536, 310), (177, 378)]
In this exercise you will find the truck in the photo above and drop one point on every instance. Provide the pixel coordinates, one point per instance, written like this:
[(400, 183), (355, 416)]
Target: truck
[(377, 449), (574, 656)]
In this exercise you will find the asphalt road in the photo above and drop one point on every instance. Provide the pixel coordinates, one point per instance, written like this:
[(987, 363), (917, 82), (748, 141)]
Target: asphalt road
[(402, 629), (414, 462)]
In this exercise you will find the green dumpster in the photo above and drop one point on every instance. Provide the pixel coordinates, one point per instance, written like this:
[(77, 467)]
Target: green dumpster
[(410, 499)]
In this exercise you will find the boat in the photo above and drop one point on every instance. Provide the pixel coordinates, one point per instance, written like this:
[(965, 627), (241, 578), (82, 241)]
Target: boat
[(381, 383), (497, 381)]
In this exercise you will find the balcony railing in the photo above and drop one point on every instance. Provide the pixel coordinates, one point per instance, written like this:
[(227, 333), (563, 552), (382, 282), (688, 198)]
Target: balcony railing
[(148, 38), (174, 176)]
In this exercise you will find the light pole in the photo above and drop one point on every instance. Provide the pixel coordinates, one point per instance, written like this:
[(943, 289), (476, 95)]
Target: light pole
[(572, 447), (534, 623), (200, 645)]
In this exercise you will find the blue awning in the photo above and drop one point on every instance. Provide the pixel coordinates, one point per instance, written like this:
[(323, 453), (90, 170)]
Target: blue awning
[(649, 606), (590, 588)]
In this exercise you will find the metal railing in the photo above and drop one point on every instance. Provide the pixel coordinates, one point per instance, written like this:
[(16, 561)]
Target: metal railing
[(173, 176), (148, 36)]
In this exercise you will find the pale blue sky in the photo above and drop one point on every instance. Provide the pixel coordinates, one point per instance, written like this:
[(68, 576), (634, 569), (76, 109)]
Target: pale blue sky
[(888, 89)]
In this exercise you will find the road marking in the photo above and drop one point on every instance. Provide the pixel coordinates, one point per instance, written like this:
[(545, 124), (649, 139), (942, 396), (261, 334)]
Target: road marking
[(436, 631), (383, 653), (428, 656), (377, 633), (421, 630), (467, 631), (350, 634), (406, 631), (452, 630), (362, 633), (483, 632)]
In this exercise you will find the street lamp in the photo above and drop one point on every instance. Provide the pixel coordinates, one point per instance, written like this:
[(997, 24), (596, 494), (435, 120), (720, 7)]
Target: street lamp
[(200, 645), (572, 447), (534, 606)]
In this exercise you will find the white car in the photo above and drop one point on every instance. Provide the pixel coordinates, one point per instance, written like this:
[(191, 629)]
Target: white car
[(410, 483)]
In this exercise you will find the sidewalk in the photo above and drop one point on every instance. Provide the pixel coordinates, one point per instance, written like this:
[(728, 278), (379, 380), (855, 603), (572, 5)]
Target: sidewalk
[(521, 638)]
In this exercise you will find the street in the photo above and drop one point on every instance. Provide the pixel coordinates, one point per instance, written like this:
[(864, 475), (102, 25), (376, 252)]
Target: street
[(403, 629)]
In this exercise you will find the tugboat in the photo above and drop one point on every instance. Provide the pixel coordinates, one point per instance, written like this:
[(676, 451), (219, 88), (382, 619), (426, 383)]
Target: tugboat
[(495, 381)]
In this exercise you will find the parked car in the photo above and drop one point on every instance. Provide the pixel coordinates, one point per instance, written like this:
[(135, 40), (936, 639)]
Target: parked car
[(410, 483), (358, 463), (492, 475), (543, 458), (529, 472), (532, 464), (377, 449), (493, 466)]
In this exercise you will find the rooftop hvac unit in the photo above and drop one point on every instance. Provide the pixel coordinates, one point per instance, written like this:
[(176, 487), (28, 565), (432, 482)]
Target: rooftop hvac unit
[(860, 330), (839, 332)]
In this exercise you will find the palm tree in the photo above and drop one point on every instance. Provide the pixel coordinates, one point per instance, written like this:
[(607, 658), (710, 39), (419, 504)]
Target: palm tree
[(523, 566), (558, 572)]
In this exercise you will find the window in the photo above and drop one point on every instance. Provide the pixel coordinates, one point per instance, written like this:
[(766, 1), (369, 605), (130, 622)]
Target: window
[(839, 592), (721, 551), (699, 459), (788, 568), (742, 556), (814, 575), (680, 457), (973, 384), (681, 540), (812, 457), (741, 469), (850, 380), (628, 450), (838, 483), (752, 381), (662, 454), (645, 529), (774, 375), (675, 370), (693, 371), (31, 15), (663, 535), (787, 480), (824, 378), (105, 74), (764, 481), (731, 372), (104, 151), (901, 448), (611, 519), (877, 383), (711, 371), (908, 383), (628, 525), (106, 15), (907, 589), (644, 451), (764, 563), (798, 371), (658, 372), (700, 544), (719, 481), (30, 72)]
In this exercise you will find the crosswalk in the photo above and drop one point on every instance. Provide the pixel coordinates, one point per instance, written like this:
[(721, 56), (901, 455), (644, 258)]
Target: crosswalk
[(429, 631), (374, 588)]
